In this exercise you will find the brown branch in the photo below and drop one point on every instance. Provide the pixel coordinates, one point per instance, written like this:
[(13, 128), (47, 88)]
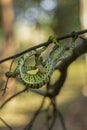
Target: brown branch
[(61, 119), (8, 126), (79, 50), (30, 124), (62, 67), (72, 34), (5, 87), (9, 99), (52, 117)]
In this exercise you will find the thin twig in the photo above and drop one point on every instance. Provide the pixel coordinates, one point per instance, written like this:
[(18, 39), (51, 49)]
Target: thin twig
[(53, 102), (18, 93), (61, 119), (43, 44), (8, 126), (4, 89), (62, 67), (79, 50), (23, 52), (48, 116), (53, 115), (38, 91), (82, 48), (29, 126)]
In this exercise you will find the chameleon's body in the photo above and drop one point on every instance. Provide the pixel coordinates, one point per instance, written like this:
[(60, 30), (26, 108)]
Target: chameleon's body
[(39, 79)]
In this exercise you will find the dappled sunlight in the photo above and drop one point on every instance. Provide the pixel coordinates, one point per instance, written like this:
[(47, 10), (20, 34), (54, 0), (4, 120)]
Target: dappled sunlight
[(48, 5), (27, 36)]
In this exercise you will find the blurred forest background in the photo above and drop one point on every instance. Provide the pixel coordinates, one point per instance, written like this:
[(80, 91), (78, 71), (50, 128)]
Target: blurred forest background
[(25, 23)]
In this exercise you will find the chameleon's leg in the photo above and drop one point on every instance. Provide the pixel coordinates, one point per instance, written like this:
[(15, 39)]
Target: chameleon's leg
[(70, 52), (54, 39), (25, 68), (23, 59), (12, 74), (37, 54), (40, 65), (38, 57)]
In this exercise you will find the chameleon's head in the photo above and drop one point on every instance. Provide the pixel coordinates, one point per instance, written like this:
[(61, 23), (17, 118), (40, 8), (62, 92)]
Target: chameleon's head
[(9, 74)]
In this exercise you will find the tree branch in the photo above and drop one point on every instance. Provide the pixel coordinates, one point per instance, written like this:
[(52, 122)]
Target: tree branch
[(18, 93), (9, 127), (79, 50), (62, 67), (30, 124), (72, 34)]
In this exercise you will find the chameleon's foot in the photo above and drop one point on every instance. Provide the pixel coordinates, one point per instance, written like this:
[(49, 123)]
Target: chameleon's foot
[(54, 39), (10, 74)]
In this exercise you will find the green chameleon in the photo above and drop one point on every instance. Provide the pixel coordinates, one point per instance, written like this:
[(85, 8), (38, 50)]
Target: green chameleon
[(42, 77)]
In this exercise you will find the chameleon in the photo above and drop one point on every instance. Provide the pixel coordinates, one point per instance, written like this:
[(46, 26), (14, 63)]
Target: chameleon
[(41, 78)]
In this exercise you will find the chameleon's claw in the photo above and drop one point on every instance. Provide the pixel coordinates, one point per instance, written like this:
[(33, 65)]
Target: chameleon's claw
[(10, 74), (54, 40)]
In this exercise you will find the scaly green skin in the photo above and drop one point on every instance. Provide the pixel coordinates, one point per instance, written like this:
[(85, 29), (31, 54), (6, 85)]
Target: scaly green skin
[(16, 72), (41, 78)]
